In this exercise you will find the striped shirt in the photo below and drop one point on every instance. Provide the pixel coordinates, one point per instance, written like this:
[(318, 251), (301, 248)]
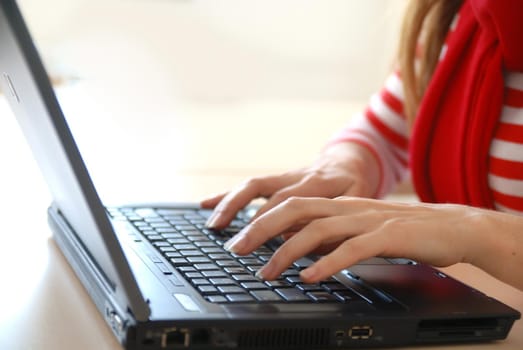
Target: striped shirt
[(382, 127)]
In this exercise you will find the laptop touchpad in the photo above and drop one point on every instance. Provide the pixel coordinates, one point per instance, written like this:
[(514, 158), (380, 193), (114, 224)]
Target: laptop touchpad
[(415, 285)]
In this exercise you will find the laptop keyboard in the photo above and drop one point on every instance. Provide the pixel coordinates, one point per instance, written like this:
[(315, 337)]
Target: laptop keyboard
[(219, 276)]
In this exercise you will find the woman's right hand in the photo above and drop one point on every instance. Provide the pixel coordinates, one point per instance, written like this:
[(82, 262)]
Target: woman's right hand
[(343, 169)]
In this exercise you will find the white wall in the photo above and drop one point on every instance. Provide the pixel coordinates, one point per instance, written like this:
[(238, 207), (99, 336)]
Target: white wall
[(221, 50)]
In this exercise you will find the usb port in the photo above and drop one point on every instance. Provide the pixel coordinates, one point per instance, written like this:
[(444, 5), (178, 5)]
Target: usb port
[(360, 332)]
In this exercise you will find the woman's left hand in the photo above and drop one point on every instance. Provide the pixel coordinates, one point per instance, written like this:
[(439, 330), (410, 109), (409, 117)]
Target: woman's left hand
[(354, 229)]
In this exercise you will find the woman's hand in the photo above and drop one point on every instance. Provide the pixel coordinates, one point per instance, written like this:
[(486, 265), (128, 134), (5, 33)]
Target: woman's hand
[(344, 169), (356, 229)]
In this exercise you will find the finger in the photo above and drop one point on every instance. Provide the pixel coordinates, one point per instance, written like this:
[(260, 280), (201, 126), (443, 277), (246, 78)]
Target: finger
[(348, 253), (326, 248), (323, 249), (312, 237), (210, 203), (237, 199), (279, 219), (307, 187)]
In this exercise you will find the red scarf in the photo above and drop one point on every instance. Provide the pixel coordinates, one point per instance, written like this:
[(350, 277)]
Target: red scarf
[(463, 102)]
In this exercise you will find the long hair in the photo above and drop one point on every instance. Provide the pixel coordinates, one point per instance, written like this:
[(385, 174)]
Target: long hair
[(423, 33)]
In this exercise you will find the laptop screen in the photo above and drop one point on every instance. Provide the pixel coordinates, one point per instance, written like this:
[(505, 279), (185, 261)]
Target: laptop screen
[(32, 99)]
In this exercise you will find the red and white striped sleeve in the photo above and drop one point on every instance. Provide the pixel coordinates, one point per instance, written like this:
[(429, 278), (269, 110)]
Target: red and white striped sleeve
[(506, 149), (382, 128)]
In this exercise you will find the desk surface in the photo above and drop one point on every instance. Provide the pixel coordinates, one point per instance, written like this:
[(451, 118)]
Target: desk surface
[(43, 305)]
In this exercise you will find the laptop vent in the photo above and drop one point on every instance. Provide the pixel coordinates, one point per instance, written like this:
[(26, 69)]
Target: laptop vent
[(284, 338)]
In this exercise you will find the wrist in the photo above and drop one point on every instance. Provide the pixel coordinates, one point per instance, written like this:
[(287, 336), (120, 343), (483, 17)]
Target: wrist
[(355, 158), (495, 245)]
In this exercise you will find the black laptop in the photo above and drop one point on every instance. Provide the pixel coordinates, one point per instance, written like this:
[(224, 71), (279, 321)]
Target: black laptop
[(162, 280)]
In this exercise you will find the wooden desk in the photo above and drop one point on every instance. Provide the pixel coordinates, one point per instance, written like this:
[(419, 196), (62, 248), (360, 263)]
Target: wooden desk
[(194, 152)]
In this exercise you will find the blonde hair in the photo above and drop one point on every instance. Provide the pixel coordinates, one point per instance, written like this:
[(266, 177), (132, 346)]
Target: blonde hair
[(426, 22)]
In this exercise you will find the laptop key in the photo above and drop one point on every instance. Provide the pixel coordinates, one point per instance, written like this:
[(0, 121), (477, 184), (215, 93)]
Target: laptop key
[(197, 238), (230, 289), (146, 212), (141, 224), (186, 227), (291, 294), (228, 263), (249, 261), (160, 225), (207, 289), (175, 221), (191, 253), (153, 220), (333, 287), (254, 268), (303, 263), (175, 238), (235, 270), (244, 278), (211, 250), (278, 284), (155, 238), (265, 295), (310, 287), (322, 297), (216, 299), (186, 269), (222, 281), (148, 232), (214, 273), (345, 296), (220, 255), (169, 211), (254, 285), (294, 279), (205, 267), (167, 249), (193, 275), (199, 281), (165, 230), (182, 246), (264, 258), (198, 260), (179, 262), (207, 244), (239, 298), (290, 273)]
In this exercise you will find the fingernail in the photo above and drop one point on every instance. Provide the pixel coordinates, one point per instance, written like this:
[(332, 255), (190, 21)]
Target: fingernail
[(308, 273), (212, 221), (264, 271), (234, 244), (259, 275)]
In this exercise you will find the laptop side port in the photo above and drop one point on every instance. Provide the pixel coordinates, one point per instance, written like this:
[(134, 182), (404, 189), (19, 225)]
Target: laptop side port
[(175, 338), (360, 332)]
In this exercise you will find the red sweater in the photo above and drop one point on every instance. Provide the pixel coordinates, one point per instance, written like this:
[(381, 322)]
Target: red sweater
[(383, 129)]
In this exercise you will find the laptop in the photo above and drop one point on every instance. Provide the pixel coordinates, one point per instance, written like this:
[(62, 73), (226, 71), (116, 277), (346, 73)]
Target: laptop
[(161, 280)]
